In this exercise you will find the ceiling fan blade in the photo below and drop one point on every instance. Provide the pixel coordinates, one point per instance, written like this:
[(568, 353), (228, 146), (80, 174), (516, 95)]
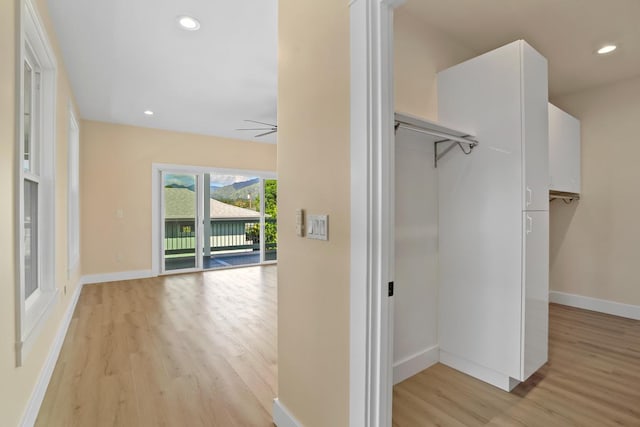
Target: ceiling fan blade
[(256, 129), (262, 123), (266, 133)]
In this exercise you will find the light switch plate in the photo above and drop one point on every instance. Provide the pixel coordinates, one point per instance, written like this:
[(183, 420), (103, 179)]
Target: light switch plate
[(318, 227)]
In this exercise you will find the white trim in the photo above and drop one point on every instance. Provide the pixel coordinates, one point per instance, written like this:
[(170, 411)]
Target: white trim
[(37, 395), (416, 363), (282, 417), (214, 170), (42, 309), (594, 304), (487, 375), (371, 310), (73, 197), (117, 277), (29, 320)]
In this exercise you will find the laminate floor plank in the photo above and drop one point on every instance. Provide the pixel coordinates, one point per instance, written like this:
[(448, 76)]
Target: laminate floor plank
[(186, 350), (592, 379)]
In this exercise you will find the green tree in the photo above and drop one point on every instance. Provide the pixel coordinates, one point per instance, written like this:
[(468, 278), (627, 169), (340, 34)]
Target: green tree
[(271, 216)]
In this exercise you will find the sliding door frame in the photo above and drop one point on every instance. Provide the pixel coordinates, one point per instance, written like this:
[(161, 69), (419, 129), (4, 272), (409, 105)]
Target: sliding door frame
[(198, 222), (157, 227)]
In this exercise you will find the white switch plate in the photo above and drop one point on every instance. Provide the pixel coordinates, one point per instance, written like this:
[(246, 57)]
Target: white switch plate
[(318, 227)]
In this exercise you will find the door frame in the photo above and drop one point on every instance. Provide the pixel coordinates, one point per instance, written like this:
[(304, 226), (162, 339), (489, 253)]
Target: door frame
[(157, 232), (372, 212), (198, 223)]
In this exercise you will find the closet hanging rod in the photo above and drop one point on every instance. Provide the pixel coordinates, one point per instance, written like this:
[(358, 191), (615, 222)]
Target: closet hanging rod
[(446, 137)]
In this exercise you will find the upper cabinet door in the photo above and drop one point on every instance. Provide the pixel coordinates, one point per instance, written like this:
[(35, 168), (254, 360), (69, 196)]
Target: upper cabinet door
[(535, 130), (564, 151)]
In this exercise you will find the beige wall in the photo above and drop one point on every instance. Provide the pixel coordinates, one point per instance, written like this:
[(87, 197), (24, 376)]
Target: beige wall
[(313, 174), (420, 52), (116, 174), (595, 243), (16, 384)]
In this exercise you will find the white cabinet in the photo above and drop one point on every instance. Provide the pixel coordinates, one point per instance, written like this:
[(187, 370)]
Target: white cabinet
[(564, 151), (493, 216), (535, 275), (535, 129)]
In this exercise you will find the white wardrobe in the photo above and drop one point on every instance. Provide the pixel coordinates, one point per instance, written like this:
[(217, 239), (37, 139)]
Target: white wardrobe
[(489, 241)]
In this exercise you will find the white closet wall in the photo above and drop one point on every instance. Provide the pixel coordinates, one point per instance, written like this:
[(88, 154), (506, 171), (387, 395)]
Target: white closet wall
[(416, 255)]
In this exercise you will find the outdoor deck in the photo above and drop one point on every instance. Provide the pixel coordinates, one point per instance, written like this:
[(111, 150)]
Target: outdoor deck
[(219, 261)]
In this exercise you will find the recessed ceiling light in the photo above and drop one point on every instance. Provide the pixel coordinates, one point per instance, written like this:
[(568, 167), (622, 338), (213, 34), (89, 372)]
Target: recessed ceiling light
[(607, 49), (188, 23), (148, 113)]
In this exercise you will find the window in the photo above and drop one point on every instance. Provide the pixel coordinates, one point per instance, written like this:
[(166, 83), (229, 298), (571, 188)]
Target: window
[(73, 192), (36, 172)]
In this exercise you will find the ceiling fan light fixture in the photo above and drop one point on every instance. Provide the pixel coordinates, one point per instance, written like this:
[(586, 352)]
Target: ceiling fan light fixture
[(148, 113), (188, 23), (607, 49)]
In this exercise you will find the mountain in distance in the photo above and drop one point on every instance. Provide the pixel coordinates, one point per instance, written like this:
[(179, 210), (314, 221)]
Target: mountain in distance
[(174, 185), (237, 191)]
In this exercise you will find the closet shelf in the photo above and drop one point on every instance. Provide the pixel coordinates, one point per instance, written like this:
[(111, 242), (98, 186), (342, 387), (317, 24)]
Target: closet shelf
[(439, 133), (568, 197)]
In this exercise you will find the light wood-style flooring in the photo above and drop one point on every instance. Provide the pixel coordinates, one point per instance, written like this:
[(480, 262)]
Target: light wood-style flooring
[(200, 350), (592, 379), (185, 350)]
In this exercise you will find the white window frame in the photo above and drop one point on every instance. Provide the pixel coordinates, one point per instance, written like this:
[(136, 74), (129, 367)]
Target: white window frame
[(73, 193), (32, 313)]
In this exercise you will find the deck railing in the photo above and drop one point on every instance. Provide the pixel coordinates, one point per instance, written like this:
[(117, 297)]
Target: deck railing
[(226, 236)]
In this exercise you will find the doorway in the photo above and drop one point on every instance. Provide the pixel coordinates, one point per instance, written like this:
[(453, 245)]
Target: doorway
[(211, 219)]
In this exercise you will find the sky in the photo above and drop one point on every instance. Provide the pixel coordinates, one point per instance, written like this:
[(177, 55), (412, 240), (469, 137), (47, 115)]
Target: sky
[(187, 180)]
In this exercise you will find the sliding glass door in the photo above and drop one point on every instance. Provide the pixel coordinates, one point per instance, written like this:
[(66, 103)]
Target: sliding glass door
[(213, 219), (180, 219), (234, 215)]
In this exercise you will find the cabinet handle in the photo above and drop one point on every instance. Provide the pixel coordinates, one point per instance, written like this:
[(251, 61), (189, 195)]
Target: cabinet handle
[(529, 196), (529, 224)]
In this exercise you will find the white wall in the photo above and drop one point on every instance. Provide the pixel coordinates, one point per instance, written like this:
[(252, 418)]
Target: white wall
[(416, 253), (420, 52)]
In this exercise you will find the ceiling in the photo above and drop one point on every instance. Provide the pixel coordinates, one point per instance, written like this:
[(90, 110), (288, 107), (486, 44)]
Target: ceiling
[(124, 57), (566, 32)]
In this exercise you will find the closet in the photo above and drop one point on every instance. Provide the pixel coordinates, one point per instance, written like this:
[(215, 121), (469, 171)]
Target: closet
[(472, 239)]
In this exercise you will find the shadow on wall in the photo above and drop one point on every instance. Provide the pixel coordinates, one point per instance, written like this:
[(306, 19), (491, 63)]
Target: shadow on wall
[(561, 215)]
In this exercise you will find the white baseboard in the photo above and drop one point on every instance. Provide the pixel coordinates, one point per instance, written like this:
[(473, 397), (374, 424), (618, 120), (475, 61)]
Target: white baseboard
[(115, 277), (282, 417), (487, 375), (37, 396), (413, 364), (600, 305)]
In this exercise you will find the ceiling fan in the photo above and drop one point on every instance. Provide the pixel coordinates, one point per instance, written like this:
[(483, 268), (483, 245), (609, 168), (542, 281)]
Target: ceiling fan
[(271, 129)]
